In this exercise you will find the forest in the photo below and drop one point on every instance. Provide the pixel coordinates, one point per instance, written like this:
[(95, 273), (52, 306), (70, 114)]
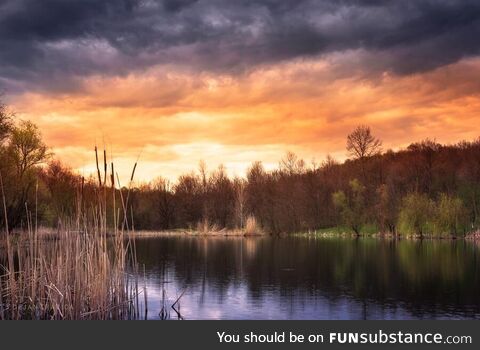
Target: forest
[(426, 189)]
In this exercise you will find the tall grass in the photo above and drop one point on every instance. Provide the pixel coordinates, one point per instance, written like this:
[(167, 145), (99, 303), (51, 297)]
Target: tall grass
[(88, 270), (252, 227), (204, 227)]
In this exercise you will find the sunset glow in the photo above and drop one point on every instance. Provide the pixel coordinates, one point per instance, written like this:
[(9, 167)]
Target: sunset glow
[(174, 104)]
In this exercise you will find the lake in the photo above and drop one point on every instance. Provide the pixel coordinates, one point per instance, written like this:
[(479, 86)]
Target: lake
[(310, 278)]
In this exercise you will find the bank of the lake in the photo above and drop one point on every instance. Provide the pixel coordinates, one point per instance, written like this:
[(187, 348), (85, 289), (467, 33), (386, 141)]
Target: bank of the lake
[(335, 232)]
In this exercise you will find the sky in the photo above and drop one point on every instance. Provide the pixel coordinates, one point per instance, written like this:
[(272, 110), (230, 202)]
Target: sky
[(231, 82)]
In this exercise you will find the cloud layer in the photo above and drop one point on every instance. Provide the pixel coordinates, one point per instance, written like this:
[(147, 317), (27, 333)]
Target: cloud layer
[(53, 43)]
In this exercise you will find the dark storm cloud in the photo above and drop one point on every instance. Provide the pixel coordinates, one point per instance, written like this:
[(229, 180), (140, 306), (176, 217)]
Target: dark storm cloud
[(50, 43)]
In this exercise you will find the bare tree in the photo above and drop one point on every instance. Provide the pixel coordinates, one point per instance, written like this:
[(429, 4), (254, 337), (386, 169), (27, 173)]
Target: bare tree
[(329, 162), (291, 164), (202, 168), (240, 186), (362, 144), (165, 202)]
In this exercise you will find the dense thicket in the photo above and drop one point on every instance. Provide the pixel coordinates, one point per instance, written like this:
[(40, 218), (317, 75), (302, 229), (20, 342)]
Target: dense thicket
[(426, 188)]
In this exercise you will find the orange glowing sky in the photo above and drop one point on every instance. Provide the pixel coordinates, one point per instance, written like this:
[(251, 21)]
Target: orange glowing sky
[(175, 120), (174, 115)]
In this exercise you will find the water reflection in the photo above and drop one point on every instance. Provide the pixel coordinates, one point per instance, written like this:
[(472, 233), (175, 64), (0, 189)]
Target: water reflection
[(308, 278)]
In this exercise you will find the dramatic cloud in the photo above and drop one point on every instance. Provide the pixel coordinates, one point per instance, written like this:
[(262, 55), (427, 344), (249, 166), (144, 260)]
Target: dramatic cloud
[(53, 43), (236, 81)]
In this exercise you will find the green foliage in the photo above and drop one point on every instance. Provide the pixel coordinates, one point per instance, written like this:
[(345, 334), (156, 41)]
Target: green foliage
[(340, 199), (469, 192), (420, 215), (21, 151), (352, 206), (451, 216), (26, 147), (416, 214), (5, 123), (369, 229)]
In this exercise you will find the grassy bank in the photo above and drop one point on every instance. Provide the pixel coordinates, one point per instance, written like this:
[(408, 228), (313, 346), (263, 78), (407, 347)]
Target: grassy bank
[(372, 232), (324, 233)]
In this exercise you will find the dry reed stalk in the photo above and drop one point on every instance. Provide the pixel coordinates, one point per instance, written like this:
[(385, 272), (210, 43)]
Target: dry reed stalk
[(252, 227), (125, 217), (104, 166), (98, 167), (10, 266), (82, 274), (4, 205)]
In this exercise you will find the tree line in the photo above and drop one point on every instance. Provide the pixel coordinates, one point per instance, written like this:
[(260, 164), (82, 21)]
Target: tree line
[(424, 189)]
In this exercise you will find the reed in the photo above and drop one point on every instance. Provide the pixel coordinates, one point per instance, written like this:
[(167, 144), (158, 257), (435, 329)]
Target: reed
[(252, 227), (83, 273), (204, 227)]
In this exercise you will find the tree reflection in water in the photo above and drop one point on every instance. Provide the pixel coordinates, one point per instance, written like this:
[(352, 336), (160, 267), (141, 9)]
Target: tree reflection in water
[(313, 278)]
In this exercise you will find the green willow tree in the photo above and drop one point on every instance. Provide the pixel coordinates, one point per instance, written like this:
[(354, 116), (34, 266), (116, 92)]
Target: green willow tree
[(26, 147), (352, 206), (23, 151), (5, 123), (451, 216), (416, 213)]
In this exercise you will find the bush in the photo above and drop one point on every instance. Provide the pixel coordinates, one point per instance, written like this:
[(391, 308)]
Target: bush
[(451, 216), (416, 214), (352, 206)]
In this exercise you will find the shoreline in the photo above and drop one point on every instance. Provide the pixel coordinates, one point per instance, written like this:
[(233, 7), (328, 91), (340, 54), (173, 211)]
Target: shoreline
[(312, 234), (48, 234)]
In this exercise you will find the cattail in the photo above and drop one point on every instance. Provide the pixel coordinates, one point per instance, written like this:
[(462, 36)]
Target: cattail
[(133, 172), (98, 167), (105, 166), (112, 176)]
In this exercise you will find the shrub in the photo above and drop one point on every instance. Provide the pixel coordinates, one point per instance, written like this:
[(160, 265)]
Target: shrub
[(451, 215), (416, 213), (352, 206)]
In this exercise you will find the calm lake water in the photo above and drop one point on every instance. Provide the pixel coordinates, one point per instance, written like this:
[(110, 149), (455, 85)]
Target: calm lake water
[(311, 278)]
